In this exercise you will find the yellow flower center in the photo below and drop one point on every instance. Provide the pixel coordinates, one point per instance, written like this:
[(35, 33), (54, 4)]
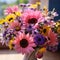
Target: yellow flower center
[(17, 28), (44, 30)]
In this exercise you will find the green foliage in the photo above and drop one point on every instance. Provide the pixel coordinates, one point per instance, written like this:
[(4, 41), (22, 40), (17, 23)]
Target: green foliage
[(4, 5), (22, 1), (25, 1)]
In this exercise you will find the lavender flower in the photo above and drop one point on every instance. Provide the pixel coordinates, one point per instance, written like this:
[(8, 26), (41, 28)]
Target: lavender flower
[(8, 34)]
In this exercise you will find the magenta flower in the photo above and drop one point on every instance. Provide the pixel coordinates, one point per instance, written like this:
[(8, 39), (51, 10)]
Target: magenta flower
[(31, 17), (15, 26), (24, 43), (10, 10), (52, 37)]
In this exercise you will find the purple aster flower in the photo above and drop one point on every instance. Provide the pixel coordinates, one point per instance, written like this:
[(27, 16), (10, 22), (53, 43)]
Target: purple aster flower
[(19, 19), (8, 34), (52, 48), (22, 5), (29, 29), (39, 39), (5, 25)]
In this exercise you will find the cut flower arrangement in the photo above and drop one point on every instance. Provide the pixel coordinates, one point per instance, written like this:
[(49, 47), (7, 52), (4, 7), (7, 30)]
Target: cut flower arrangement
[(28, 29)]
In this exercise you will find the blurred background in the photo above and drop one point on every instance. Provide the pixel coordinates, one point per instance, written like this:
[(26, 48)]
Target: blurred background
[(5, 3), (50, 4)]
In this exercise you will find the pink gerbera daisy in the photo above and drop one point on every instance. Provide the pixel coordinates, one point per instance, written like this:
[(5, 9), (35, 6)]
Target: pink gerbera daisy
[(10, 10), (15, 26), (31, 17), (52, 37), (24, 43)]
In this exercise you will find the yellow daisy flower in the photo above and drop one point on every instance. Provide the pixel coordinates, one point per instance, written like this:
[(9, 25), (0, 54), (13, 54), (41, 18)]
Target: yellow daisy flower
[(38, 3), (18, 13), (57, 23), (58, 27), (42, 50), (2, 21), (10, 18), (45, 8), (45, 30), (58, 30), (33, 6), (45, 11), (10, 45)]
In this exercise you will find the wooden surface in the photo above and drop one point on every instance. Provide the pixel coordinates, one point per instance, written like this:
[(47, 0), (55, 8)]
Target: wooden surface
[(3, 47), (51, 56)]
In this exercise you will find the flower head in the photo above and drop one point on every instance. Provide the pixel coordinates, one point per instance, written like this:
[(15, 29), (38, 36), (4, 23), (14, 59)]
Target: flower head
[(45, 30), (52, 37), (10, 18), (15, 26), (39, 39), (2, 21), (42, 50), (57, 27), (10, 44), (24, 43), (8, 35), (18, 13), (52, 48), (38, 3), (58, 23), (11, 10), (31, 17), (58, 30), (33, 6), (29, 29)]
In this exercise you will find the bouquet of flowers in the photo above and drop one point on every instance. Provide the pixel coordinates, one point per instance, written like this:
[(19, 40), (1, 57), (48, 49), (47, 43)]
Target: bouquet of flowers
[(28, 29)]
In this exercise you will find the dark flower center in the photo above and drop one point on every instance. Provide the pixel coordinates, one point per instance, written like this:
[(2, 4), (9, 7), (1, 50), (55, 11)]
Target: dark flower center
[(45, 21), (48, 38), (44, 30), (26, 31), (23, 43), (39, 39), (3, 22), (58, 25), (32, 21), (13, 45), (17, 28), (6, 26), (13, 12), (10, 19)]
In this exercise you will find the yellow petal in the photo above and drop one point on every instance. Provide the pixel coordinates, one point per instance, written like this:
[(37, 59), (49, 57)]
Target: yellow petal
[(38, 3), (33, 6), (18, 13), (10, 18), (2, 21), (42, 50), (10, 44)]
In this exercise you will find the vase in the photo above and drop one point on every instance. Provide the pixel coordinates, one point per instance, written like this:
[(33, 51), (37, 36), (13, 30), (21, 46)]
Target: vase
[(30, 56)]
